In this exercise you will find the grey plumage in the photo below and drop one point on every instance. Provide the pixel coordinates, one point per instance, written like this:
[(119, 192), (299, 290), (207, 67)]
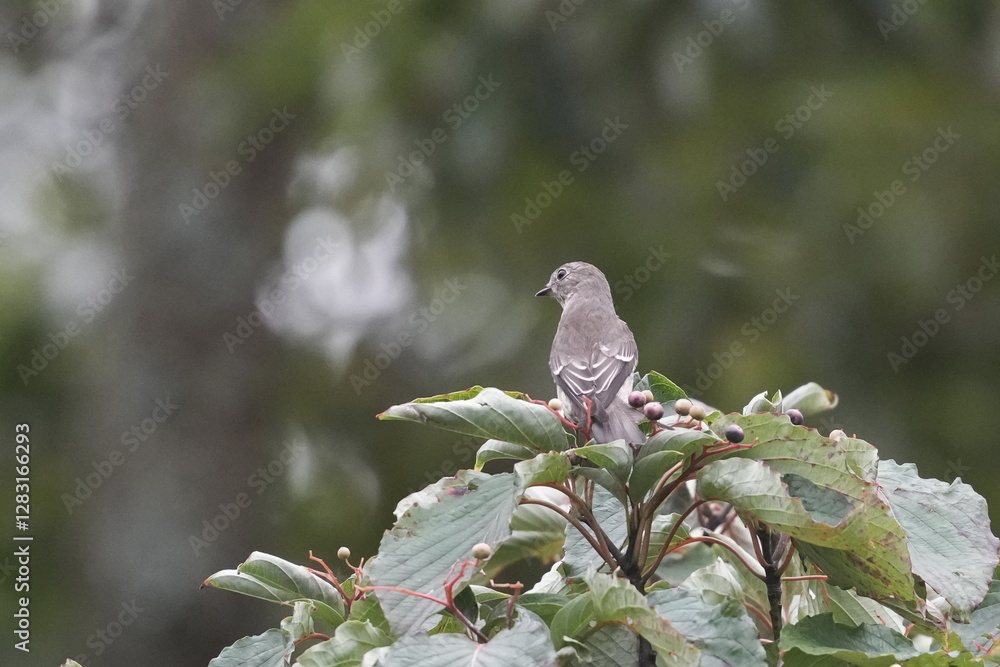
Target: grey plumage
[(593, 354)]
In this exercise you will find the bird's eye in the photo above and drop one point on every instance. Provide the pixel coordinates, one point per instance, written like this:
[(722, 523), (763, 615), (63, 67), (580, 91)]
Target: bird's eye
[(560, 274)]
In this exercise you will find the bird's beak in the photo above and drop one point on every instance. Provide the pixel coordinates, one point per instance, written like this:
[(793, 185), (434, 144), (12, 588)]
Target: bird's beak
[(545, 291)]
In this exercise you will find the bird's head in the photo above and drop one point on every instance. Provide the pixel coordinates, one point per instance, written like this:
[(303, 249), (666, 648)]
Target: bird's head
[(572, 278)]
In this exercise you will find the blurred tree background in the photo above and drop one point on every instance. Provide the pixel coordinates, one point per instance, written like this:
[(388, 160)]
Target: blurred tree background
[(234, 231)]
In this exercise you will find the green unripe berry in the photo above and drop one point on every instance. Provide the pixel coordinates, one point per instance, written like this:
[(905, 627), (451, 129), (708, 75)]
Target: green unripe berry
[(482, 551), (697, 412), (682, 406), (343, 553)]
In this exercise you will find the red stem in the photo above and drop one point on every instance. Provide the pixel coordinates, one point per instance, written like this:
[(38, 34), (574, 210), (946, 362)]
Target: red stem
[(670, 536), (314, 635)]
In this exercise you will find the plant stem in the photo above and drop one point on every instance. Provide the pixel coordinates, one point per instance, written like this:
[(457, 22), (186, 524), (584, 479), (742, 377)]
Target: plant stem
[(604, 553), (670, 536), (588, 517), (647, 656), (772, 579)]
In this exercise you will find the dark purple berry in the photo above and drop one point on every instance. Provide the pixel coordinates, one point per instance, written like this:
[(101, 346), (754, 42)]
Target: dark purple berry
[(734, 433), (637, 399), (653, 411), (795, 416)]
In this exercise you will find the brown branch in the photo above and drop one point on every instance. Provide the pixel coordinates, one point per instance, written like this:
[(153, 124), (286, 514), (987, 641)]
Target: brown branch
[(608, 558), (670, 536), (590, 520)]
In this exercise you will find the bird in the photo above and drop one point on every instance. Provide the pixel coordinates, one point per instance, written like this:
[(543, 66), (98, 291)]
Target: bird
[(593, 355)]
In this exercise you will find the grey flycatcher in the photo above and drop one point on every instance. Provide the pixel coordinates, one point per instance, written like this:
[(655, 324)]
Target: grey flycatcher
[(593, 355)]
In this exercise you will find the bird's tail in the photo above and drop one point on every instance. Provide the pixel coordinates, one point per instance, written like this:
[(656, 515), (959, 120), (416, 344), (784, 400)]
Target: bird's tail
[(620, 422)]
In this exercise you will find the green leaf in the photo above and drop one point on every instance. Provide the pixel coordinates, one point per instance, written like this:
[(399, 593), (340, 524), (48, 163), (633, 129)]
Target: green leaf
[(493, 450), (849, 608), (468, 606), (612, 646), (536, 533), (796, 449), (662, 524), (723, 631), (810, 399), (368, 609), (984, 620), (661, 452), (491, 413), (722, 580), (685, 440), (545, 605), (549, 468), (617, 601), (663, 389), (760, 403), (605, 479), (822, 503), (860, 645), (270, 649), (865, 549), (346, 648), (300, 623), (296, 580), (462, 395), (650, 469), (570, 621), (327, 604), (427, 542), (947, 532), (527, 644), (615, 457)]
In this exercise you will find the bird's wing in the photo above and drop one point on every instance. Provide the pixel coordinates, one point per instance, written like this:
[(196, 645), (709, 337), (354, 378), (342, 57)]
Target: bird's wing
[(600, 376)]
